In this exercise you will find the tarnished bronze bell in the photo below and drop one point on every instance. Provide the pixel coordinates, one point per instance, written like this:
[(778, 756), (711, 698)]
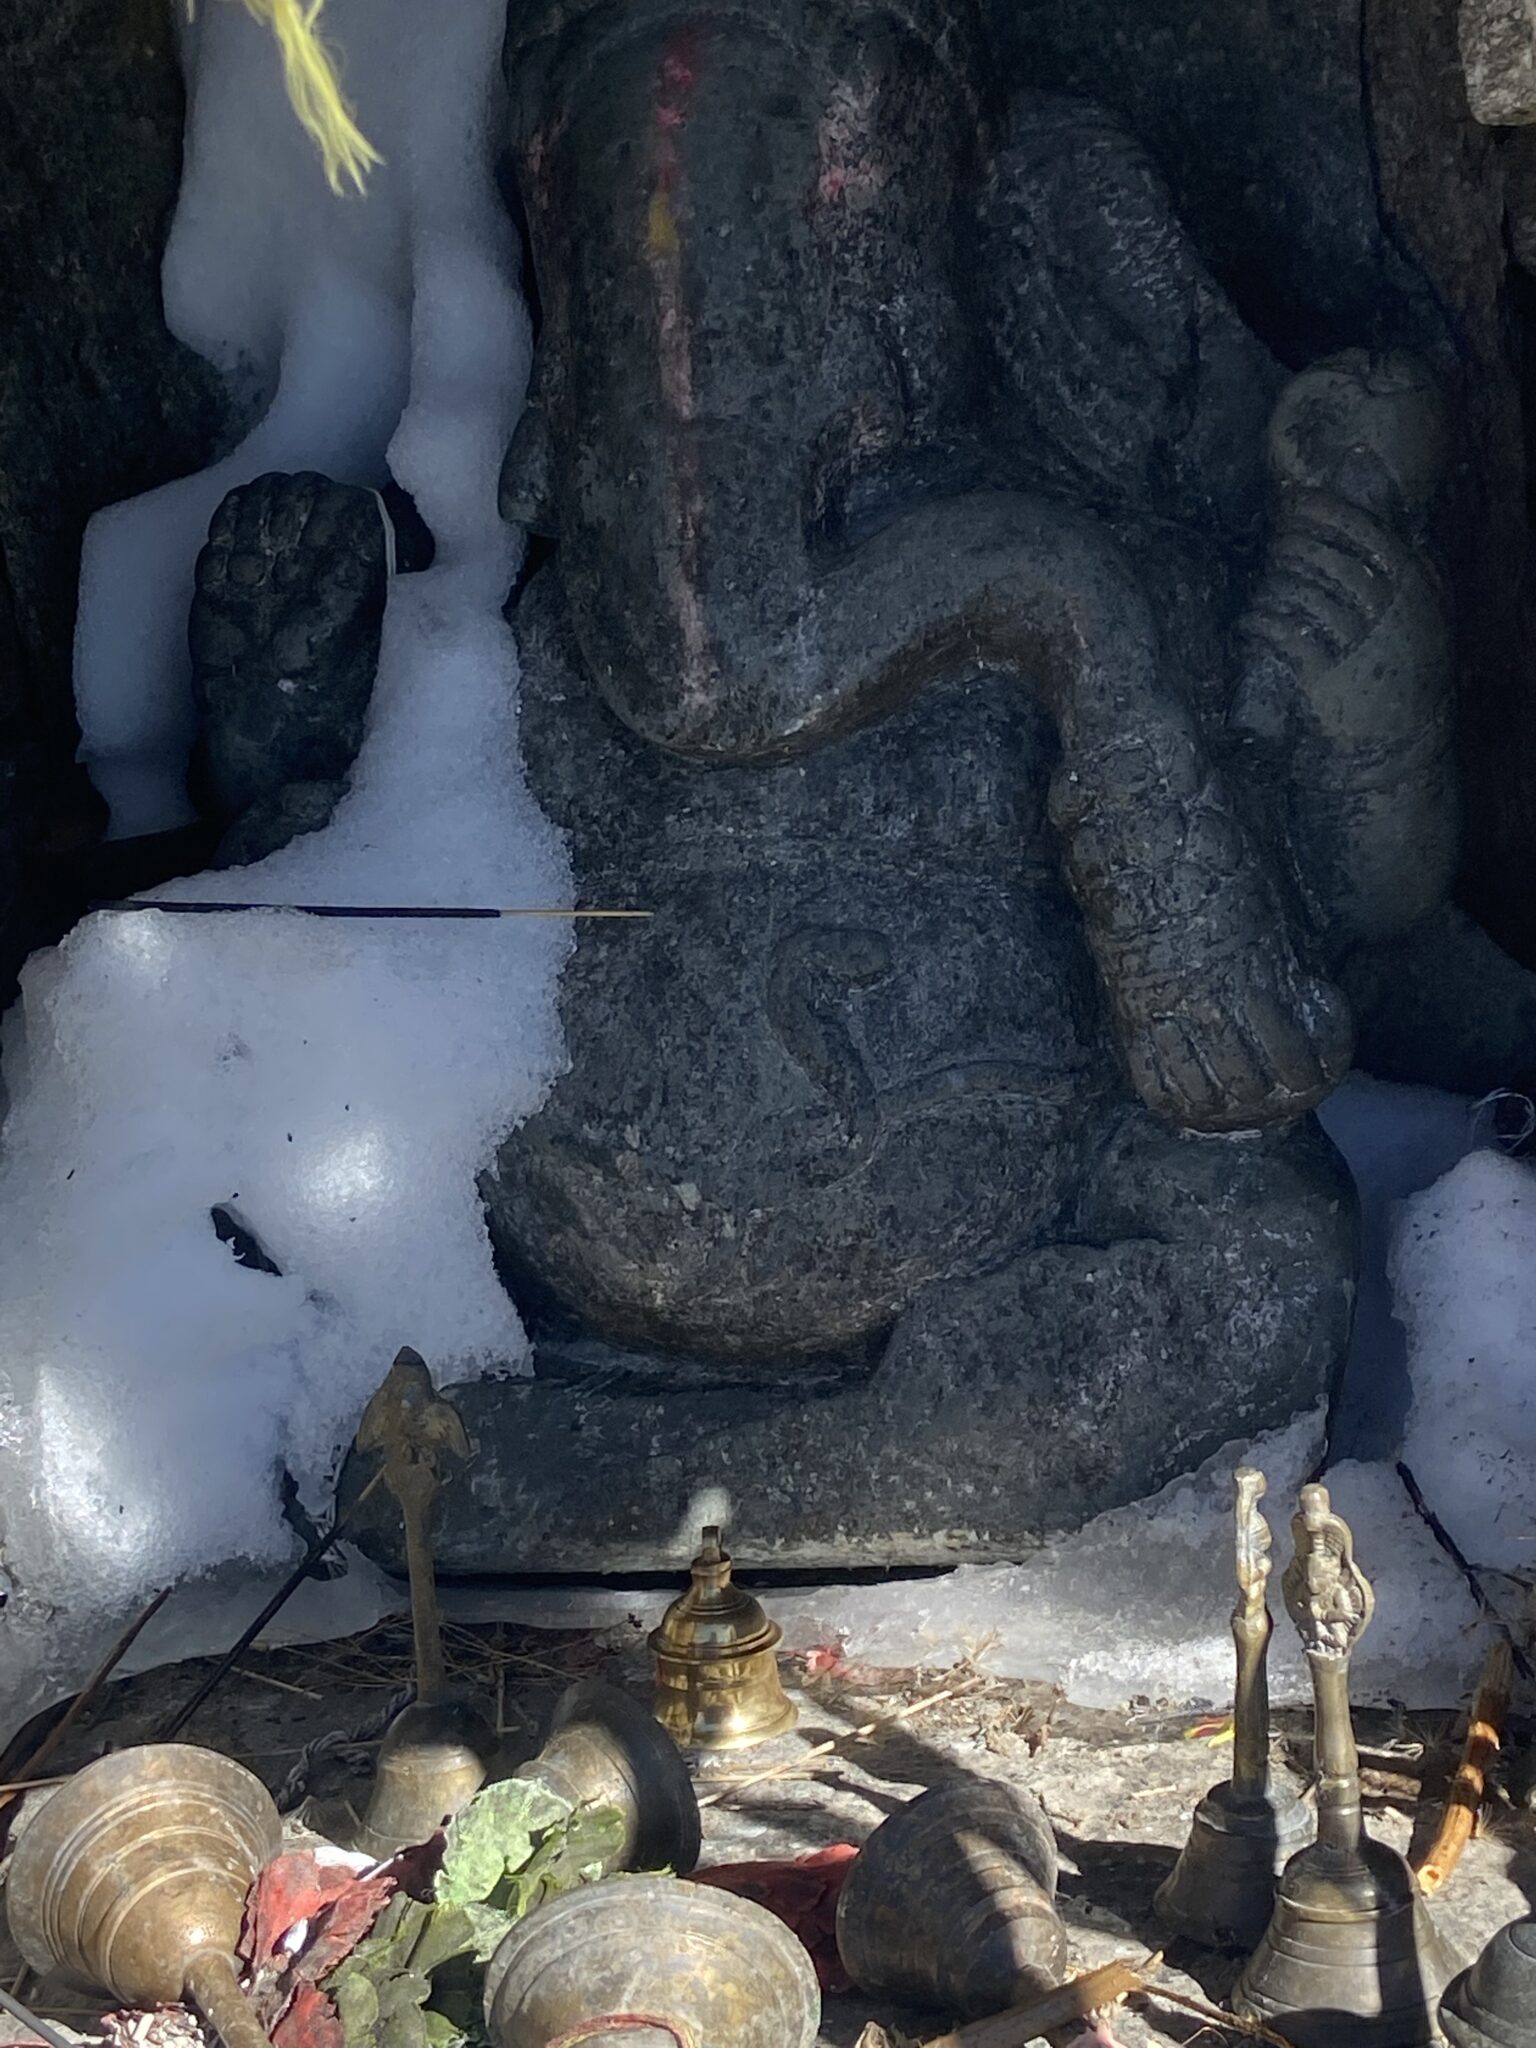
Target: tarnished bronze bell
[(1350, 1958), (440, 1749), (434, 1759), (1493, 2005), (952, 1902), (717, 1677), (654, 1962), (1221, 1891), (133, 1878), (605, 1750)]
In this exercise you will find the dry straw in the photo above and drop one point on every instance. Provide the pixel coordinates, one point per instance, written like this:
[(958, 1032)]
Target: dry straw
[(309, 73)]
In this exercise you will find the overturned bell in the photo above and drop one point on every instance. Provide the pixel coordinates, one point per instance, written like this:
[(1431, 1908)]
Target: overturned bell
[(652, 1963), (604, 1750), (952, 1902), (1221, 1891), (1350, 1958), (1493, 2005), (717, 1677), (133, 1877), (434, 1759)]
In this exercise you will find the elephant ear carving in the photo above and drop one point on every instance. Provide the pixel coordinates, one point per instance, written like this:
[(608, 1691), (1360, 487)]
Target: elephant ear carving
[(1121, 361)]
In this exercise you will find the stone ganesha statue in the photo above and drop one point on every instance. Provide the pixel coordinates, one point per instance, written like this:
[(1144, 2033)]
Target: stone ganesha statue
[(901, 465), (936, 1169)]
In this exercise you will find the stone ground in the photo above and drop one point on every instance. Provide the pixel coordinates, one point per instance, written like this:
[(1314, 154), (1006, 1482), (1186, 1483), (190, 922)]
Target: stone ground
[(1119, 1787)]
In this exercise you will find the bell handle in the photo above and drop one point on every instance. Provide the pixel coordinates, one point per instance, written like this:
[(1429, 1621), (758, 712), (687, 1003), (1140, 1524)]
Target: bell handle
[(1335, 1757), (214, 1988), (1252, 1627), (426, 1620), (1250, 1707)]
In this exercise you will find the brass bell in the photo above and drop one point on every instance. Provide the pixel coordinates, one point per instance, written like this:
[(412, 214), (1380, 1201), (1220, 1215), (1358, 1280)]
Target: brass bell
[(717, 1678), (134, 1877), (1221, 1891), (434, 1758), (1493, 2005), (952, 1902), (655, 1962), (1351, 1958), (438, 1751), (605, 1750)]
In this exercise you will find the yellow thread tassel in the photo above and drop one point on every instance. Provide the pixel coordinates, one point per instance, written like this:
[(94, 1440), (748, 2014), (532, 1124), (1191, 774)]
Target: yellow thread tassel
[(313, 88)]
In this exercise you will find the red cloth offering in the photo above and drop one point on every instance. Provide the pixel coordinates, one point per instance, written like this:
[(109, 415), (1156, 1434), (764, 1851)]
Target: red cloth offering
[(803, 1894)]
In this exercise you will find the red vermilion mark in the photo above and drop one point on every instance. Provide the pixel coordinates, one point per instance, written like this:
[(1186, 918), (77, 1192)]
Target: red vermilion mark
[(676, 84)]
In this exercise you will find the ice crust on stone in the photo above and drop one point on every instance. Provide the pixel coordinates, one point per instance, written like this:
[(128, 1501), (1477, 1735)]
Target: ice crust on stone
[(1133, 1610), (1135, 1607), (337, 1086)]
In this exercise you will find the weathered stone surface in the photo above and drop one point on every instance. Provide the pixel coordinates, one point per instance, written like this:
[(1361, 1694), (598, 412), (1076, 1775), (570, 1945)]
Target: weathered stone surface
[(1013, 695), (284, 633), (1323, 158), (96, 401), (1442, 195), (1498, 56), (1020, 1401), (271, 822)]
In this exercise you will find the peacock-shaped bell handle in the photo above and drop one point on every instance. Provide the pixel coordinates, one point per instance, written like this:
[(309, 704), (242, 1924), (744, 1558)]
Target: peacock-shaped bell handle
[(416, 1431), (1330, 1600)]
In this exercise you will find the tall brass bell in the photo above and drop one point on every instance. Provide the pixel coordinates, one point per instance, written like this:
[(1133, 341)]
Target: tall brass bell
[(1221, 1891), (1351, 1958), (717, 1678), (604, 1750), (134, 1877), (439, 1750)]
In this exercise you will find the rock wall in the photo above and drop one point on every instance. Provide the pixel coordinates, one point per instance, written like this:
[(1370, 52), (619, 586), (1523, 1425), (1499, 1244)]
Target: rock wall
[(96, 400), (1324, 159)]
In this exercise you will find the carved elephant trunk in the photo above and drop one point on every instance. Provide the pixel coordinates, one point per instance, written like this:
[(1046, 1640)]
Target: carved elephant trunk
[(735, 213)]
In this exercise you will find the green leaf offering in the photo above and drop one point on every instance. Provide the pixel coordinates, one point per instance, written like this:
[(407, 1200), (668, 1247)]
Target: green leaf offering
[(495, 1834), (513, 1846)]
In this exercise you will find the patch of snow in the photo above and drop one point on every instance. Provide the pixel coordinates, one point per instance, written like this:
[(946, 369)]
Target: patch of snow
[(1464, 1275), (338, 1085)]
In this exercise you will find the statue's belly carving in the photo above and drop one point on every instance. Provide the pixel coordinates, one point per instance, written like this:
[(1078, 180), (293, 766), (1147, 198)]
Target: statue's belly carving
[(857, 1050)]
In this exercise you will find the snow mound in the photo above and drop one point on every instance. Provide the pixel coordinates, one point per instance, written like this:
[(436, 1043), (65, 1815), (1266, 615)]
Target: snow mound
[(333, 1087)]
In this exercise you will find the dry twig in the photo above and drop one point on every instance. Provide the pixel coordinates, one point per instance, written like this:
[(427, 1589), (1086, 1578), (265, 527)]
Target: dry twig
[(82, 1700), (1464, 1800)]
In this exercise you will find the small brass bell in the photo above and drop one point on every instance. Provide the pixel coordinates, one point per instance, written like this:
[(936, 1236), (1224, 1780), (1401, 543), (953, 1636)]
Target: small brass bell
[(439, 1750), (1350, 1958), (1221, 1891), (717, 1678), (134, 1875)]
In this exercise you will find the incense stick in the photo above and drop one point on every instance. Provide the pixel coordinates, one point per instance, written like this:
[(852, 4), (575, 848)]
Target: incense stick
[(397, 910)]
